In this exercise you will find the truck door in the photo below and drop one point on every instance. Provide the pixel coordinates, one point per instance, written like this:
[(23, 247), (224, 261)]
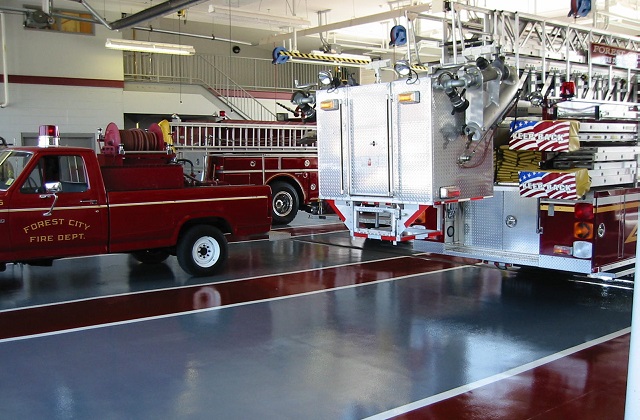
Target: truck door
[(69, 222), (369, 120)]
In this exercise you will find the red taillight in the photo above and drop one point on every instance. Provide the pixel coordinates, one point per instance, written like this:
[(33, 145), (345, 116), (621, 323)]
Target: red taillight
[(584, 211), (568, 89)]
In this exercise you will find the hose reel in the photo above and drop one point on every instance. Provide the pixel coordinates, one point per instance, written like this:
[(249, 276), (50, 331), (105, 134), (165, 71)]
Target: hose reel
[(117, 141)]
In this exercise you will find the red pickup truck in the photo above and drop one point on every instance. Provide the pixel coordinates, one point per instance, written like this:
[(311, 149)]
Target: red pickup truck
[(58, 202)]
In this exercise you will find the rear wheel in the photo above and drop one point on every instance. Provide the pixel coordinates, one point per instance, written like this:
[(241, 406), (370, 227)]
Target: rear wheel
[(202, 250), (284, 204), (151, 256)]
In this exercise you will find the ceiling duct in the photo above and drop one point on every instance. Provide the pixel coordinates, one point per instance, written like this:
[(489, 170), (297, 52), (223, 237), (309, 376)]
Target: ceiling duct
[(145, 15)]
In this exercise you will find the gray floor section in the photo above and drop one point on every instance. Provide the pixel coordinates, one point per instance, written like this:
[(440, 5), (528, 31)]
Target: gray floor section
[(342, 354)]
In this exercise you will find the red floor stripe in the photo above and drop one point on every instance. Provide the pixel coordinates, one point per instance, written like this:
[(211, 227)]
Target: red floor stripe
[(96, 311), (587, 385)]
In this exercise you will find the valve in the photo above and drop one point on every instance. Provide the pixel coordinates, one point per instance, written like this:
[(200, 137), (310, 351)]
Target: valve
[(450, 84), (459, 103)]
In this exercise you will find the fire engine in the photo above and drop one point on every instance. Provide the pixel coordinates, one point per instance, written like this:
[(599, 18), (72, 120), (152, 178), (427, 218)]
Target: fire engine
[(133, 197), (518, 148), (280, 154)]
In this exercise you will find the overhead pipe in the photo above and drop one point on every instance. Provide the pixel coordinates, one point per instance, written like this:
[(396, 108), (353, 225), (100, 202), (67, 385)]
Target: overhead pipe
[(209, 37), (15, 10), (145, 15), (5, 71), (98, 19)]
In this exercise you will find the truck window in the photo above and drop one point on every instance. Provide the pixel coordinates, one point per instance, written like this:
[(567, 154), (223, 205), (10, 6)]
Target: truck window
[(12, 163), (72, 174), (68, 170)]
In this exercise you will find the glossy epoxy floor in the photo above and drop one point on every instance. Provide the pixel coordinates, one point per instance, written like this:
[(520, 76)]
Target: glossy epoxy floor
[(310, 324)]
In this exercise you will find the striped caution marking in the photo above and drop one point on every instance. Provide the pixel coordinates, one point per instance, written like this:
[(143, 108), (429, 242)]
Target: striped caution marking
[(417, 67), (322, 57)]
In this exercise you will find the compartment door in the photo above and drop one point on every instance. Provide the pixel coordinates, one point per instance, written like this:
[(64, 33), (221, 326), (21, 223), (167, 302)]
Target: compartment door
[(369, 127)]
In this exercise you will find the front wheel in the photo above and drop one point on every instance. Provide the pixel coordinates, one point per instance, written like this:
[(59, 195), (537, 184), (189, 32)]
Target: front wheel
[(285, 203), (202, 250)]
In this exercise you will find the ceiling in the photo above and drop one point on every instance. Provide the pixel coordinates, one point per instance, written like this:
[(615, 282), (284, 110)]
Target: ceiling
[(259, 21)]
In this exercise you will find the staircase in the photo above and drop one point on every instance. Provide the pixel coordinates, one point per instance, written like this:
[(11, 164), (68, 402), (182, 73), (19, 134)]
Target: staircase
[(196, 69)]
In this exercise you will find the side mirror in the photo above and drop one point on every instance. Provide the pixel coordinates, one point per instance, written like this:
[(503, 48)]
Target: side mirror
[(53, 187)]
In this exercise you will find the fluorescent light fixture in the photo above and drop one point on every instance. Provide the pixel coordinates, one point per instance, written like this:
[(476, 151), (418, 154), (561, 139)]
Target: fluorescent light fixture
[(256, 17), (146, 46)]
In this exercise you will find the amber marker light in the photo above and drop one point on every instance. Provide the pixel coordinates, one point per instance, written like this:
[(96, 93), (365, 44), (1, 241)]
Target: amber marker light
[(412, 97), (329, 104), (583, 230)]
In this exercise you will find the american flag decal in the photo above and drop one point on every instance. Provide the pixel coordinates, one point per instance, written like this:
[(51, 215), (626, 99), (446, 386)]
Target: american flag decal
[(548, 136), (557, 185)]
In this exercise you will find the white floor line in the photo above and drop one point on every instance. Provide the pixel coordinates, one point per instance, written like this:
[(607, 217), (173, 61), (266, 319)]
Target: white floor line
[(233, 305), (140, 292), (613, 286), (495, 378)]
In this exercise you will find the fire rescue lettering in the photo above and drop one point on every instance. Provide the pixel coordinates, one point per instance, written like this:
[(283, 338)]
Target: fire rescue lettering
[(33, 227)]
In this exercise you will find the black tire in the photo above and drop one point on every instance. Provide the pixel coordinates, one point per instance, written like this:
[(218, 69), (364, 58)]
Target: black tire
[(202, 250), (284, 203), (151, 256)]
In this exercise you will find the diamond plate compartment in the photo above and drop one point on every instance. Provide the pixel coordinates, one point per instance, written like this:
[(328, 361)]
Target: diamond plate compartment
[(369, 140), (486, 222), (412, 143), (331, 147)]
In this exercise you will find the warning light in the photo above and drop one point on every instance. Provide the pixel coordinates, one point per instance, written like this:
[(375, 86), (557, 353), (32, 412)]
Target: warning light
[(451, 191), (582, 249), (48, 130), (409, 97), (567, 90), (562, 249), (583, 230), (48, 135), (584, 211), (329, 105)]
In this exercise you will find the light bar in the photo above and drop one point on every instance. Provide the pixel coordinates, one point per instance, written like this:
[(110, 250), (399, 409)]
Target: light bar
[(146, 46)]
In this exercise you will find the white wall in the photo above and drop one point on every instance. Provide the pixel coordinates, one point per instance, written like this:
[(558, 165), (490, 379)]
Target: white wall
[(77, 58), (168, 99), (76, 109), (73, 109), (136, 102)]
